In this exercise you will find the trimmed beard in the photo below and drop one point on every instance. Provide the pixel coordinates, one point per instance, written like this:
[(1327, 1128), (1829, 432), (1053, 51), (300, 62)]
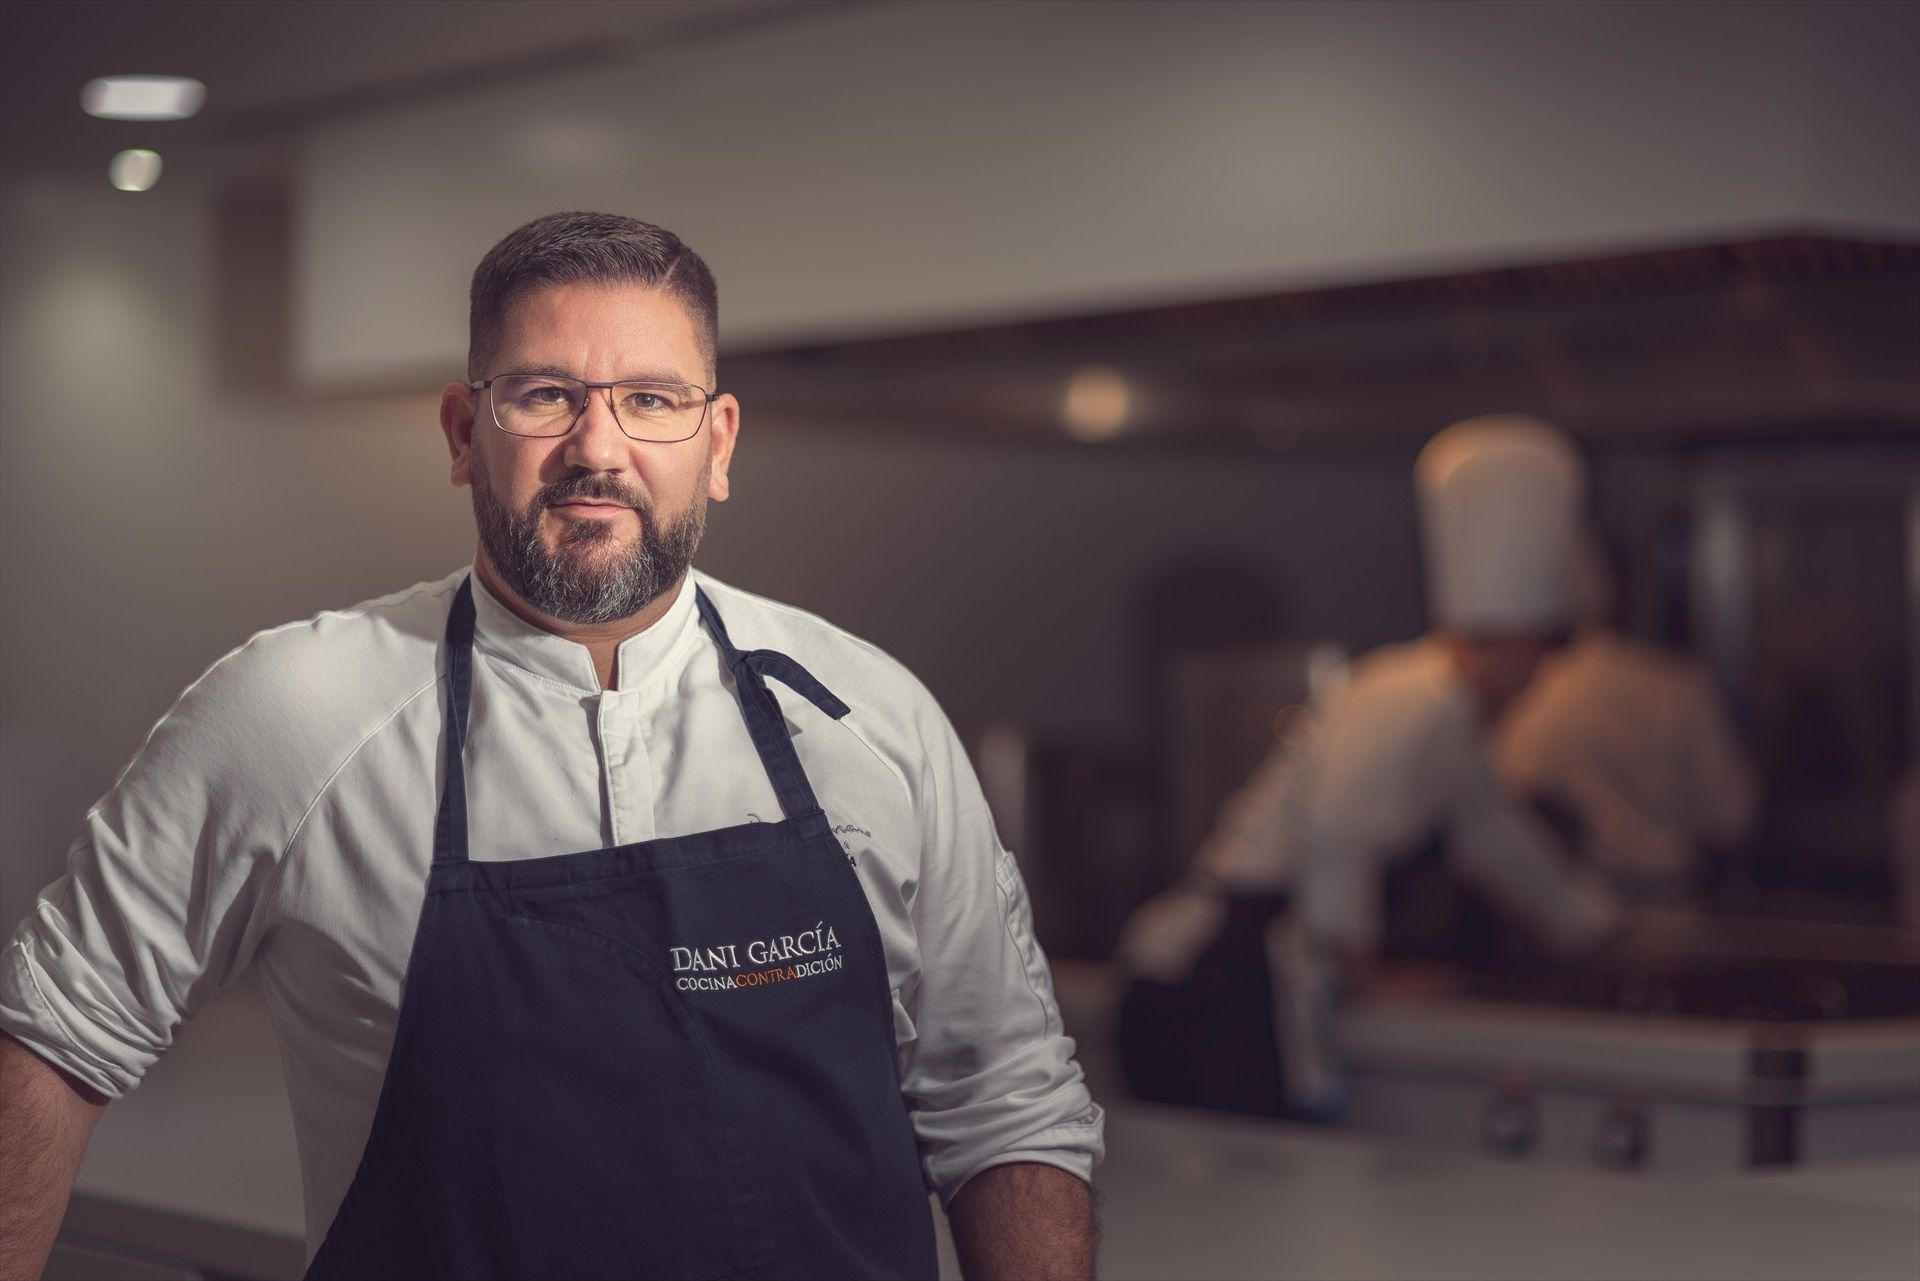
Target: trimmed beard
[(572, 583)]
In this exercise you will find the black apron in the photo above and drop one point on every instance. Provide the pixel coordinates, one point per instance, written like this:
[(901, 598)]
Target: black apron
[(672, 1059), (1213, 1040), (1248, 1028)]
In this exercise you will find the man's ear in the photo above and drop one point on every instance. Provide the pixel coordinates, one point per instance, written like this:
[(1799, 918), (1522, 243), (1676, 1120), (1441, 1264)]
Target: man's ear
[(456, 422), (725, 429)]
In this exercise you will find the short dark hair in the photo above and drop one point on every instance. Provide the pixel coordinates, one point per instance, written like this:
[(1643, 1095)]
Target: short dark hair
[(575, 248)]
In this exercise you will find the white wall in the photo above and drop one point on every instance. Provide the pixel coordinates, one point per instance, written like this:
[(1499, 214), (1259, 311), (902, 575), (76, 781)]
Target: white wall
[(927, 163), (152, 515)]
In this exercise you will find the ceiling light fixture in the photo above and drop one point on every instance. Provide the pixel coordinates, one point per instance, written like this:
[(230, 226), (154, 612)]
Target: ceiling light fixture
[(135, 170), (1097, 404), (142, 97)]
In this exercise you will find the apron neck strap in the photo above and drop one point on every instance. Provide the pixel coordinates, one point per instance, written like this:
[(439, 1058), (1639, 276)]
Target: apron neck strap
[(450, 824), (765, 723)]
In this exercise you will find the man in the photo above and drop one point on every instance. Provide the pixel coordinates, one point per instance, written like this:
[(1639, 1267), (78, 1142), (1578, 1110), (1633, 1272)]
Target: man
[(1632, 745), (613, 921), (1319, 857)]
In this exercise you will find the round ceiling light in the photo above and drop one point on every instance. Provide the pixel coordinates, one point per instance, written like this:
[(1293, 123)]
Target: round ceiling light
[(135, 170), (1097, 404)]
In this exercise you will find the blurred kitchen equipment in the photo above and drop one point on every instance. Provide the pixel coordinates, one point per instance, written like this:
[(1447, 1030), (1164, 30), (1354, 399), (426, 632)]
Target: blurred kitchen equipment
[(1624, 1136), (1226, 710), (1510, 1127), (1805, 590), (1079, 820)]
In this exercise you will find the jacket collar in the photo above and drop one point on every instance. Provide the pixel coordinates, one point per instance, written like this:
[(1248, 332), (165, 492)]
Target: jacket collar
[(645, 655)]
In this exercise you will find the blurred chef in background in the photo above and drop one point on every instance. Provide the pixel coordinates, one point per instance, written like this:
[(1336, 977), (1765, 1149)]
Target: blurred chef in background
[(1631, 746), (1292, 895)]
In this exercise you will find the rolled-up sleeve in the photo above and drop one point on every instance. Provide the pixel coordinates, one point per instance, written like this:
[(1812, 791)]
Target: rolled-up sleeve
[(158, 908), (986, 1066)]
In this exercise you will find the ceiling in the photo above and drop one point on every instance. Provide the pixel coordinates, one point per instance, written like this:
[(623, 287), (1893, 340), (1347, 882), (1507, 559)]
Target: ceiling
[(274, 66), (1734, 339)]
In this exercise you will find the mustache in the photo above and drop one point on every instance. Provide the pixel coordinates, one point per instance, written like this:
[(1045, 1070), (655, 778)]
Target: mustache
[(597, 487)]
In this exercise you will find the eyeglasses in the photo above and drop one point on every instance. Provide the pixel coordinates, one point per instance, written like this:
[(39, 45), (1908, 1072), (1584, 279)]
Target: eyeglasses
[(550, 404)]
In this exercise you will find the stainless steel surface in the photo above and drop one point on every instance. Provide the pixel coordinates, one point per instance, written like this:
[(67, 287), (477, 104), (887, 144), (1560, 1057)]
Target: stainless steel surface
[(1805, 599)]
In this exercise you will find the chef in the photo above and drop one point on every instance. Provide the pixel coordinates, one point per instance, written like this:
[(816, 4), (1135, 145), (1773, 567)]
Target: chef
[(1289, 896), (613, 921), (1633, 746)]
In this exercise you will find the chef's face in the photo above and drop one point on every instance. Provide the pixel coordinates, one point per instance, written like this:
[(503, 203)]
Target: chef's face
[(592, 526)]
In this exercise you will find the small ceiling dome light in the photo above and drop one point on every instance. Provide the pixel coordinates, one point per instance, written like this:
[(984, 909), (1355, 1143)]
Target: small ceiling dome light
[(134, 170), (1097, 404), (142, 97)]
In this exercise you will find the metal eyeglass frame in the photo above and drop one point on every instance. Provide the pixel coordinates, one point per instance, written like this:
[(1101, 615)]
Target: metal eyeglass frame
[(587, 388)]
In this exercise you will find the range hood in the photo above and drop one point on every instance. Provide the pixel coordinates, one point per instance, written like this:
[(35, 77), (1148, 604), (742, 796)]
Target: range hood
[(1794, 336)]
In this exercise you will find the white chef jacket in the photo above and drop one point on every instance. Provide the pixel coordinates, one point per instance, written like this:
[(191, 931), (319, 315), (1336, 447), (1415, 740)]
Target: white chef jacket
[(281, 815), (1396, 756), (1634, 739)]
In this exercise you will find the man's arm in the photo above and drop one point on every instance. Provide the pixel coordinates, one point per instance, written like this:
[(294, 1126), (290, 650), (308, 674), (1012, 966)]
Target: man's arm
[(1023, 1221), (45, 1122), (1514, 858)]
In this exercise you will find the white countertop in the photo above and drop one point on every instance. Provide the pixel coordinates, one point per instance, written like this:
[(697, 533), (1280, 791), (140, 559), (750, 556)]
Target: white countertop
[(1199, 1196), (199, 1163)]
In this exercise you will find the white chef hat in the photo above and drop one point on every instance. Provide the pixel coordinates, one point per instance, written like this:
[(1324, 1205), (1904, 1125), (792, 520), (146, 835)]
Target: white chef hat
[(1500, 508)]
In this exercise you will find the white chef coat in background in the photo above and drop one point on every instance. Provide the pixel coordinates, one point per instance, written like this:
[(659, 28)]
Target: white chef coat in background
[(280, 816), (1635, 740), (1397, 756), (1402, 756)]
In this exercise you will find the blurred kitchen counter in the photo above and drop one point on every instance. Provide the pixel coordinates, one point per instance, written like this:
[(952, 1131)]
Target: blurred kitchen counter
[(1741, 1043), (195, 1175)]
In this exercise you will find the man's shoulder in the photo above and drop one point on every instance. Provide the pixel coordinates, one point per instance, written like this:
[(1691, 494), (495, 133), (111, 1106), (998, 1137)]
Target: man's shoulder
[(1400, 704), (371, 644), (332, 673), (1627, 658), (276, 717), (1409, 681)]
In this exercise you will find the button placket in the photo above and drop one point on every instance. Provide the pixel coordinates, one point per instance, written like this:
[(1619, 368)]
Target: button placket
[(627, 767)]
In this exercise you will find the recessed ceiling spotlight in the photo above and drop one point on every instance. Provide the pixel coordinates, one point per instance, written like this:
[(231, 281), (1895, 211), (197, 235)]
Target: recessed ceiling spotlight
[(1097, 404), (135, 170), (142, 97)]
